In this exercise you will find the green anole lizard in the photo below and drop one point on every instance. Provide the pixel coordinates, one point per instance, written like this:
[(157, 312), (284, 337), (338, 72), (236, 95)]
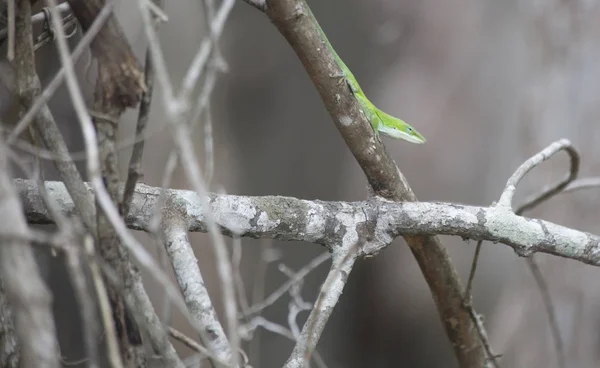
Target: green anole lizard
[(382, 122)]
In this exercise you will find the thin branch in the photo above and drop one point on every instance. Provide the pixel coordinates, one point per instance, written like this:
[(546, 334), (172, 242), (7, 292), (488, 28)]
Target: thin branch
[(49, 91), (236, 262), (343, 261), (105, 310), (535, 200), (93, 167), (549, 306), (580, 184), (193, 288), (511, 186), (25, 70), (475, 317), (139, 302), (297, 304), (176, 111), (505, 202), (209, 16), (280, 330), (85, 301), (201, 58), (36, 18), (478, 321), (52, 138), (101, 161), (188, 341), (135, 162), (468, 291), (209, 150), (296, 278), (30, 299)]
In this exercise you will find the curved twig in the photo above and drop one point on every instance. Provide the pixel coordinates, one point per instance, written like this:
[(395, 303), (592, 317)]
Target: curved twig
[(511, 186), (585, 183), (535, 200)]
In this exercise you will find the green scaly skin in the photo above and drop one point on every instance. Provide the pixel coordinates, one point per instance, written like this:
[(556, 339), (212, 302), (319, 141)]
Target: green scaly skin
[(382, 122)]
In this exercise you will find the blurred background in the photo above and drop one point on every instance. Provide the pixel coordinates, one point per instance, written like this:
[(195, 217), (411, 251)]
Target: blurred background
[(489, 83)]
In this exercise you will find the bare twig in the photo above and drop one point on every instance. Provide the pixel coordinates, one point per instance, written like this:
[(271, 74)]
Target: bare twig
[(36, 18), (297, 277), (549, 306), (28, 91), (140, 304), (209, 16), (505, 201), (52, 138), (475, 317), (85, 301), (93, 167), (297, 304), (105, 310), (585, 183), (30, 300), (188, 341), (536, 199), (59, 77), (104, 163), (28, 88), (268, 254), (511, 186), (176, 110), (468, 290), (193, 288), (478, 320), (135, 162), (29, 297), (343, 261), (236, 261), (201, 58), (278, 329), (209, 150)]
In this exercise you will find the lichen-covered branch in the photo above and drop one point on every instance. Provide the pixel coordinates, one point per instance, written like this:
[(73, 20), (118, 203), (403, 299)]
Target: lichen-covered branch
[(343, 261), (195, 293), (330, 223)]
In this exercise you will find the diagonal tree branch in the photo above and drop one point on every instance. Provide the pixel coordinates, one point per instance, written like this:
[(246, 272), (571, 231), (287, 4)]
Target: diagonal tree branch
[(177, 244), (296, 23)]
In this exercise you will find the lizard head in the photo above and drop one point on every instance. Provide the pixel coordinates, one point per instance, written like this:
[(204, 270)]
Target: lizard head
[(398, 129)]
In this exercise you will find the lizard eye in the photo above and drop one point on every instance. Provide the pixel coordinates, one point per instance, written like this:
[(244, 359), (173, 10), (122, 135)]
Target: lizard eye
[(409, 129)]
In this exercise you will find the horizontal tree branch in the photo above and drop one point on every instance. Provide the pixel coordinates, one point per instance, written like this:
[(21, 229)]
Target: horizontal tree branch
[(373, 223)]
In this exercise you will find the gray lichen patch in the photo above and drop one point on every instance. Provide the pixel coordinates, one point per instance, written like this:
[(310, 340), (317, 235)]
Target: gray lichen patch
[(505, 226)]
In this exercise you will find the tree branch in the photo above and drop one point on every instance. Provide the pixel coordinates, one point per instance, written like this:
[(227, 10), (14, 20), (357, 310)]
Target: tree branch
[(295, 21), (191, 283), (327, 223), (30, 299), (119, 71)]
